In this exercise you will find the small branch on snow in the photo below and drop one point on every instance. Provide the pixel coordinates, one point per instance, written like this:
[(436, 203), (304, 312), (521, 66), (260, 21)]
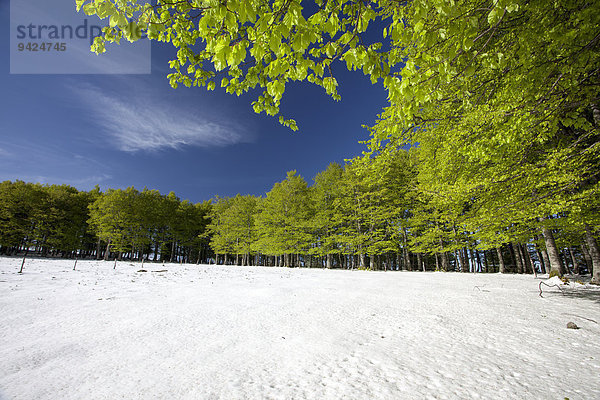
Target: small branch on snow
[(540, 285), (579, 316)]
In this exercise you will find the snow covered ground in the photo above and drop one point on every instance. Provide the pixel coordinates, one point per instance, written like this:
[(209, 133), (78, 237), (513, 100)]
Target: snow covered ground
[(208, 332)]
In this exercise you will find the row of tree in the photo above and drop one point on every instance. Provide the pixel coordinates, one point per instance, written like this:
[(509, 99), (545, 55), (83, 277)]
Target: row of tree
[(375, 213), (55, 220)]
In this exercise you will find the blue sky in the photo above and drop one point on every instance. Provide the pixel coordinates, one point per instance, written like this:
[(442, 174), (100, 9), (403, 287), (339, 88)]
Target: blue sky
[(135, 130)]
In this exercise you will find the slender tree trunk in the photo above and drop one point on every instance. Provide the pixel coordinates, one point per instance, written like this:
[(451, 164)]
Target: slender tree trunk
[(437, 262), (565, 259), (405, 251), (457, 259), (501, 260), (107, 251), (98, 249), (540, 258), (527, 266), (517, 256), (155, 255), (328, 261), (486, 263), (530, 262), (445, 261), (472, 260), (24, 258), (172, 258), (546, 259), (464, 259), (493, 265), (586, 257), (592, 244), (574, 261), (552, 250), (420, 263)]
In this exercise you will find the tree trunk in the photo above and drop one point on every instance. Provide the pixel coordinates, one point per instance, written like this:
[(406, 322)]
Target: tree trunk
[(155, 255), (464, 259), (107, 251), (24, 258), (469, 264), (407, 264), (445, 261), (586, 257), (477, 261), (458, 261), (420, 262), (485, 261), (565, 260), (592, 244), (552, 250), (574, 261), (540, 255), (546, 261), (529, 260), (375, 262), (98, 249), (527, 268), (328, 261), (172, 251), (518, 257), (501, 260)]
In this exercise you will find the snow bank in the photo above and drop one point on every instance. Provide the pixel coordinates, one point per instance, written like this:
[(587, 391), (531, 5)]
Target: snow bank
[(207, 332)]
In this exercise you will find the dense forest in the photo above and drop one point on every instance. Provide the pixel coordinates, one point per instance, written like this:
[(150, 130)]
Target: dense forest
[(378, 213), (60, 221), (486, 159)]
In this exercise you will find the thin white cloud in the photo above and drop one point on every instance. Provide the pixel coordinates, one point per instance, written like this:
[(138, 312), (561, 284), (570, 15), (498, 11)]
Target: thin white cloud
[(4, 153), (144, 123)]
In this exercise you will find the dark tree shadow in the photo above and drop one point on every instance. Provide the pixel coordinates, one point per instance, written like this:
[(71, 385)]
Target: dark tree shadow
[(585, 294)]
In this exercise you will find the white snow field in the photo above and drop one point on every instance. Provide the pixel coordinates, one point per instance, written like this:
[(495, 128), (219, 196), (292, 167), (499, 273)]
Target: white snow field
[(214, 332)]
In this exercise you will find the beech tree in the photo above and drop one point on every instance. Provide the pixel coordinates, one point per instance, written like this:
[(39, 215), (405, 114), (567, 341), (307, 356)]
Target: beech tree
[(325, 222), (232, 228), (284, 220)]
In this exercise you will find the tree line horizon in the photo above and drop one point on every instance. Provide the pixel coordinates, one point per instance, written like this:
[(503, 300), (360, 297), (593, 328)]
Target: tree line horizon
[(345, 219)]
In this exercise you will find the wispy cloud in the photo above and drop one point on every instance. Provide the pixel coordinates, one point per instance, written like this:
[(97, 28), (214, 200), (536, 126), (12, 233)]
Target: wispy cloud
[(145, 123)]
